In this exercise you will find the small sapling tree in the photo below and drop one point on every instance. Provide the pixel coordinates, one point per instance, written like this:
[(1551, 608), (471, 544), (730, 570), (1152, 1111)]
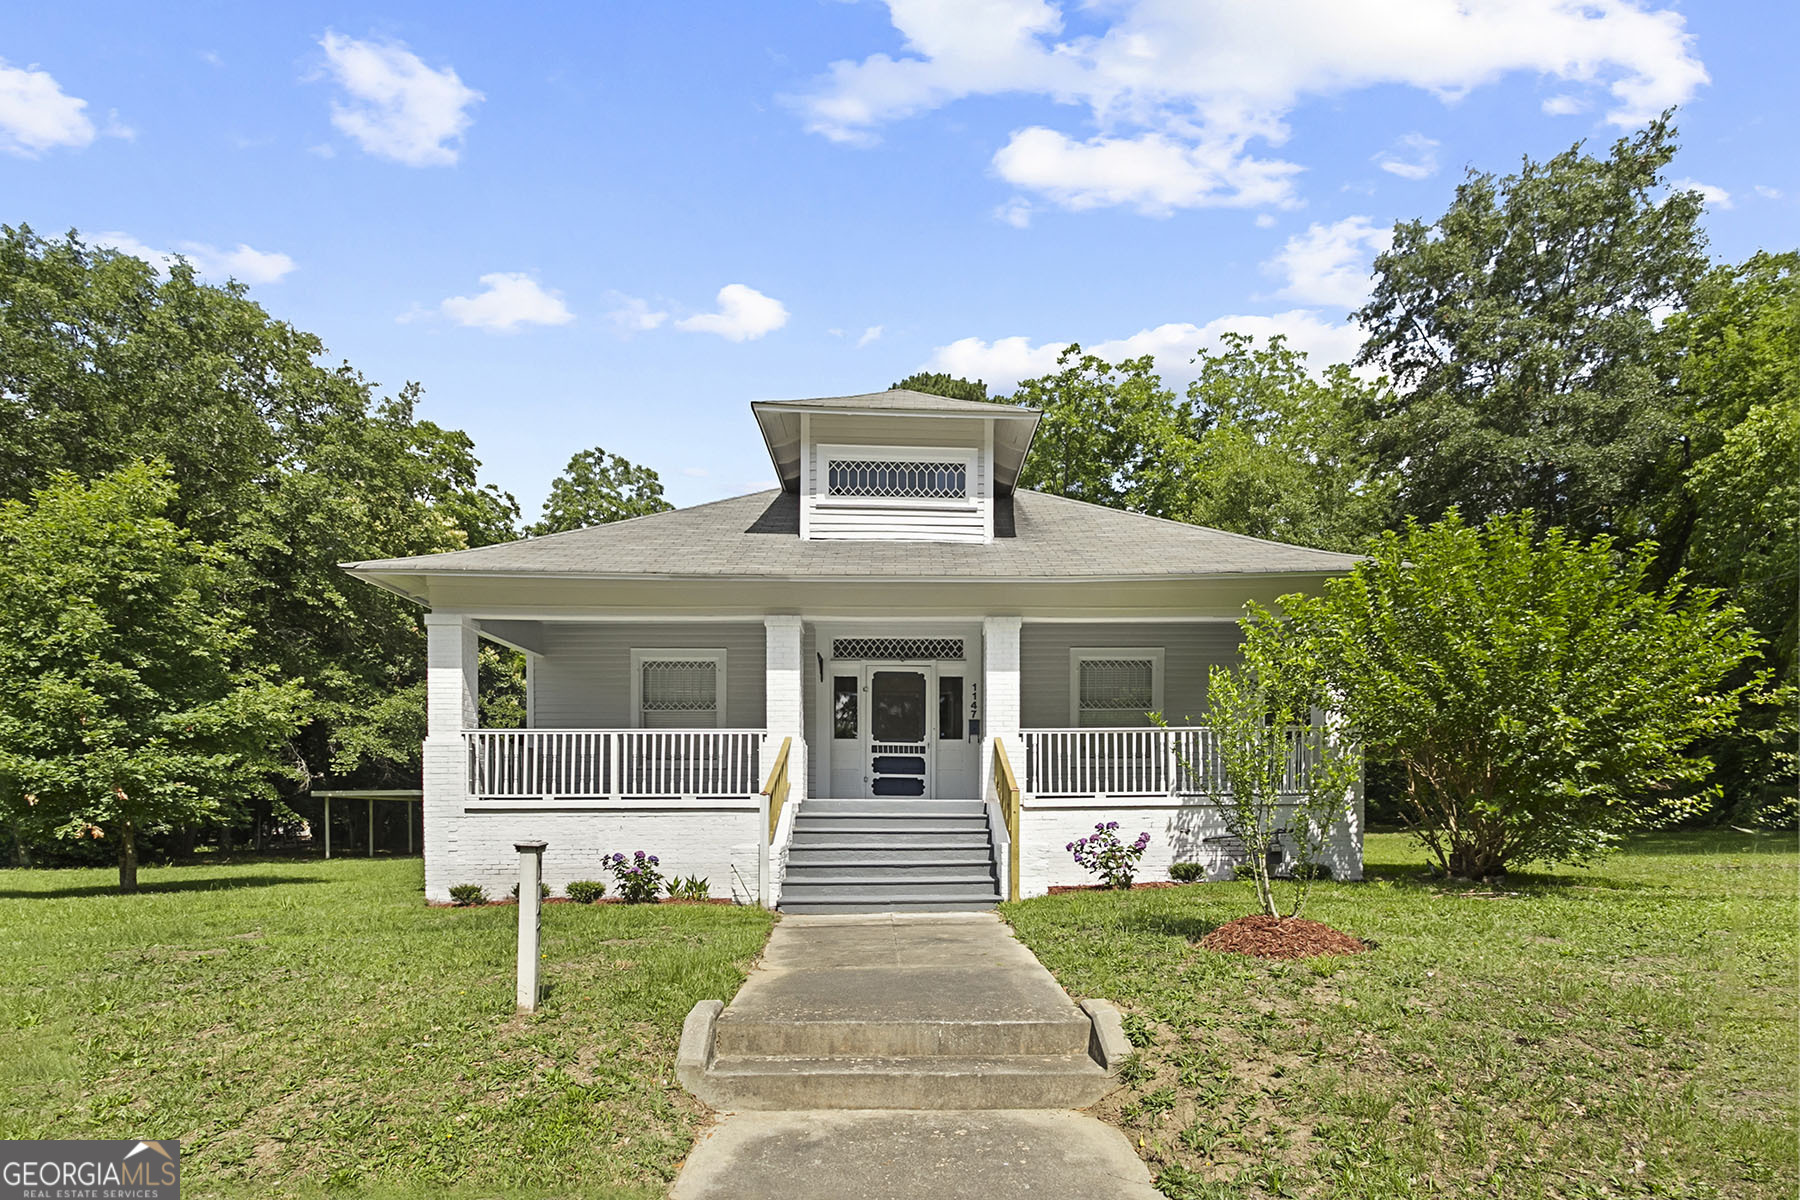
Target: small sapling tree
[(1278, 784)]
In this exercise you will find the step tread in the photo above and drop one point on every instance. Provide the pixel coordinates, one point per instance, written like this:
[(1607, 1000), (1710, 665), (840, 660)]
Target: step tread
[(992, 1064), (861, 877)]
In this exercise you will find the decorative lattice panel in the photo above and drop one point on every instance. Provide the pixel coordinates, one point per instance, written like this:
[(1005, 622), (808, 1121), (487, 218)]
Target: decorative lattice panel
[(906, 649), (680, 685), (1117, 684), (899, 480)]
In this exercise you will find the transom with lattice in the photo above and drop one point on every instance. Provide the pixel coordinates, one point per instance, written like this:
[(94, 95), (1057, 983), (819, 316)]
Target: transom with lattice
[(910, 649)]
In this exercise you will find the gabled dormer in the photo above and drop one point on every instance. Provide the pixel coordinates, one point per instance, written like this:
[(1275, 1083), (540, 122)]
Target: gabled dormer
[(896, 465)]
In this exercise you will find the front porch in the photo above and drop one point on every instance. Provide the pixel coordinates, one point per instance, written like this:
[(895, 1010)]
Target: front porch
[(893, 727)]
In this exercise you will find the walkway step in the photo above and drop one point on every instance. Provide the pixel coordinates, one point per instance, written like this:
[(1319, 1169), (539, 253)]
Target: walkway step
[(879, 1155), (983, 891), (892, 808), (941, 1082)]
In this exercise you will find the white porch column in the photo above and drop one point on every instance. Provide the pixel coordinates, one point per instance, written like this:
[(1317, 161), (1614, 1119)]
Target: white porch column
[(452, 689), (783, 701), (1000, 697)]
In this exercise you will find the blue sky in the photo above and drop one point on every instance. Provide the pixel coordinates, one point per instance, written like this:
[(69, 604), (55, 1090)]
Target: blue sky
[(618, 224)]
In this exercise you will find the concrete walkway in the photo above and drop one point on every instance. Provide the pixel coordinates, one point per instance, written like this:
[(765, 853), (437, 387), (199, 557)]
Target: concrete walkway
[(904, 1055)]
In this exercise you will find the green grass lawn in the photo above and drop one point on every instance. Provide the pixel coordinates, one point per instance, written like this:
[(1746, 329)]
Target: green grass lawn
[(1629, 1030), (305, 1026)]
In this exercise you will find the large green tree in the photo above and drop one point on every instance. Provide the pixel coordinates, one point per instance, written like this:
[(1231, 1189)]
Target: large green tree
[(128, 697), (1269, 447), (1521, 330), (287, 466), (937, 383), (1541, 696), (597, 488)]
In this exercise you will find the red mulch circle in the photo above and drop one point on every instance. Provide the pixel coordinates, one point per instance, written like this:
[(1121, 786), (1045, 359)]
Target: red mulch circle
[(1263, 936)]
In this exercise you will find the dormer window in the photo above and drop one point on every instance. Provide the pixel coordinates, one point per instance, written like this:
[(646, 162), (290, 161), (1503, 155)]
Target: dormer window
[(940, 478)]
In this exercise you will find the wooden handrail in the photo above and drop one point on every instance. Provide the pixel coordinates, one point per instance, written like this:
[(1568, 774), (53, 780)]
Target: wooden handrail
[(1006, 785), (777, 787)]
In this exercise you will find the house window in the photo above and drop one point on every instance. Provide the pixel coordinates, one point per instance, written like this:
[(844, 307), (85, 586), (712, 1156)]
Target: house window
[(950, 708), (1112, 687), (891, 478), (843, 707), (678, 689)]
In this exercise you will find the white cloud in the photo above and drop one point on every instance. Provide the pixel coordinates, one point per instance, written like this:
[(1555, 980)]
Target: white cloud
[(1413, 156), (1767, 192), (1329, 264), (1175, 91), (1150, 172), (745, 314), (630, 314), (1015, 212), (1004, 361), (871, 334), (1715, 197), (36, 115), (244, 263), (399, 107), (1564, 105), (509, 301), (1265, 220)]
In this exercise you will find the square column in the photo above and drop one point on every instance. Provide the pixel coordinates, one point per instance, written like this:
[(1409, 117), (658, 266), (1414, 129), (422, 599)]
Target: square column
[(783, 701), (1000, 697), (452, 692)]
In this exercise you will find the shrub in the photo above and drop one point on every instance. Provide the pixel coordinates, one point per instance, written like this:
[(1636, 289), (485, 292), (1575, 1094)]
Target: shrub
[(1187, 872), (691, 888), (638, 879), (543, 890), (585, 891), (1101, 853), (464, 894)]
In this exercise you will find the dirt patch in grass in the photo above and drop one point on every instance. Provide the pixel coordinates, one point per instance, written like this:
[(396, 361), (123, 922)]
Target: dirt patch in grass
[(1263, 936)]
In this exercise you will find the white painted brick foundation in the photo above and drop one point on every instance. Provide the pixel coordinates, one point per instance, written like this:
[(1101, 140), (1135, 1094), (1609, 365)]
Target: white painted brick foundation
[(1177, 834)]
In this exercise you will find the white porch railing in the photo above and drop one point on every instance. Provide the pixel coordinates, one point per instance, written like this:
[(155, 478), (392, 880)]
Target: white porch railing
[(1144, 762), (613, 763)]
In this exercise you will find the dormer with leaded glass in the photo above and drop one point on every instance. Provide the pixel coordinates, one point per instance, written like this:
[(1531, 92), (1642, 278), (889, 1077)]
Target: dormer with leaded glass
[(897, 465)]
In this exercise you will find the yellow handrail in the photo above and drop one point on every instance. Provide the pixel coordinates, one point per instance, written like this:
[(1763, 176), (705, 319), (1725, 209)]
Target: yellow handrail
[(777, 787), (1006, 784)]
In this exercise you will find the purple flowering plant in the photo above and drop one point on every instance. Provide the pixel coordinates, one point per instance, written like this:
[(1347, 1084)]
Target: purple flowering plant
[(1102, 853), (638, 879)]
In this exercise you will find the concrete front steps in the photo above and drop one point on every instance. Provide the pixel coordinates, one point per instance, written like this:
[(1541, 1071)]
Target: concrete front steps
[(902, 1013), (869, 856)]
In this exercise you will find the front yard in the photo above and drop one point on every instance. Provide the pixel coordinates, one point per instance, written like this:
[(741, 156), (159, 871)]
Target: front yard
[(1629, 1030), (311, 1026)]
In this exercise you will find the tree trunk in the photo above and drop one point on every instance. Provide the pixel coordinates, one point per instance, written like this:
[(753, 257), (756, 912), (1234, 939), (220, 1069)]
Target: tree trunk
[(1475, 860), (127, 858)]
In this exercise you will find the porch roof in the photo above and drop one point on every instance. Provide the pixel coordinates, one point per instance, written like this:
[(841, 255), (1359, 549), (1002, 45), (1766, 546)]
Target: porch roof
[(1040, 537)]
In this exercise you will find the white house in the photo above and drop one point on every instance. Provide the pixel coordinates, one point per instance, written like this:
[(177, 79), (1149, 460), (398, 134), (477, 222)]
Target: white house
[(897, 681)]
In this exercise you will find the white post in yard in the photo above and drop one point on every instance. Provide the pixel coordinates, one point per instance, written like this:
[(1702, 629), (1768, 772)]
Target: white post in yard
[(328, 827), (531, 911)]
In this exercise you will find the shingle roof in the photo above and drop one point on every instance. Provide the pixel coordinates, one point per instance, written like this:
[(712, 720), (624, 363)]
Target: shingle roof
[(1041, 537), (901, 400)]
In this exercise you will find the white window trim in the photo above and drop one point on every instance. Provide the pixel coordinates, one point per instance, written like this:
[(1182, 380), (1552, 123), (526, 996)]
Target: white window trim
[(677, 654), (1080, 654), (966, 456)]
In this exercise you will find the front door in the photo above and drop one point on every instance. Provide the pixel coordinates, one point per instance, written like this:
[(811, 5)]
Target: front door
[(898, 743)]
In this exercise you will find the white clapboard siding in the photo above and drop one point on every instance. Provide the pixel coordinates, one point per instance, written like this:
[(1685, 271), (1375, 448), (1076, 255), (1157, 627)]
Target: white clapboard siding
[(833, 519)]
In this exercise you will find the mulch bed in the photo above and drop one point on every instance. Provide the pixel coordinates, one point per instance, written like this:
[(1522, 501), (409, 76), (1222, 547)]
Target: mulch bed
[(1263, 936)]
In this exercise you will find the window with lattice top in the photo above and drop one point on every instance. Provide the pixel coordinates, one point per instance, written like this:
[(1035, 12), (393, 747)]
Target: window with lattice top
[(1117, 688), (897, 479), (684, 692)]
